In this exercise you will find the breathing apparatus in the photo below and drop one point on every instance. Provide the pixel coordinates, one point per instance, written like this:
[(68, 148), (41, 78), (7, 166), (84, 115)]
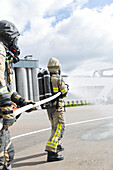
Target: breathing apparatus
[(45, 91)]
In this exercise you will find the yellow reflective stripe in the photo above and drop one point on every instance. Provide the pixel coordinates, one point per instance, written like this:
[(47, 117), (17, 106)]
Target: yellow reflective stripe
[(52, 143), (1, 154), (6, 154), (55, 89), (9, 61), (55, 137), (55, 133), (64, 91), (60, 103), (8, 145), (58, 133), (6, 157), (3, 90), (51, 146), (55, 102), (11, 93)]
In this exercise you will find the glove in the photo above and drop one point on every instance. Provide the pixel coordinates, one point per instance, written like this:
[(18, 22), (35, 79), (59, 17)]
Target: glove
[(20, 102), (67, 86), (26, 102), (29, 102)]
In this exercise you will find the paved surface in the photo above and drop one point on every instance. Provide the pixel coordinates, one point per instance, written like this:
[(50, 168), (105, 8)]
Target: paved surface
[(88, 144)]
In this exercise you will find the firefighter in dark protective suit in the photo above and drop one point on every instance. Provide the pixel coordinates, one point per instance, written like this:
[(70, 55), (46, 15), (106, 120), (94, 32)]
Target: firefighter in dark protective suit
[(56, 112), (9, 53)]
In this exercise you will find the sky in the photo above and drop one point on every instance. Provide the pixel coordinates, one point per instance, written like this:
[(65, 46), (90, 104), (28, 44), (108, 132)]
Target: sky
[(77, 32)]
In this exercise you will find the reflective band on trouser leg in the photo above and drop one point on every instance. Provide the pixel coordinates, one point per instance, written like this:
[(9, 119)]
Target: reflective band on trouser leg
[(53, 142), (2, 146), (5, 97), (1, 166), (1, 160), (9, 154), (8, 151), (6, 154), (62, 132)]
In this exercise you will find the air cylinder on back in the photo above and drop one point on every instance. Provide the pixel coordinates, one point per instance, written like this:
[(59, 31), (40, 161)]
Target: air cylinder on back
[(47, 84), (41, 86)]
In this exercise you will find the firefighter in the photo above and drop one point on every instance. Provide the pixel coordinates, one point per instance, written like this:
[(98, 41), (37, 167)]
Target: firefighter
[(56, 112), (9, 53)]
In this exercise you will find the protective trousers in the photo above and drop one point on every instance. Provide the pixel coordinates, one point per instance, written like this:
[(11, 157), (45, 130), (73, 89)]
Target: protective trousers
[(6, 150), (56, 117)]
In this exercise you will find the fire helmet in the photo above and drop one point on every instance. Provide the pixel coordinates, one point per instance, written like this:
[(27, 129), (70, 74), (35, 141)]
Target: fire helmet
[(54, 65), (8, 32), (9, 37)]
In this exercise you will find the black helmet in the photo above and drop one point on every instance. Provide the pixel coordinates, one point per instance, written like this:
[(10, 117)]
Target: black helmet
[(8, 33), (9, 37)]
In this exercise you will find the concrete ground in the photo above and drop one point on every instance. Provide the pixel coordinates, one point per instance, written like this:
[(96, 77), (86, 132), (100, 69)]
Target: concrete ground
[(88, 140)]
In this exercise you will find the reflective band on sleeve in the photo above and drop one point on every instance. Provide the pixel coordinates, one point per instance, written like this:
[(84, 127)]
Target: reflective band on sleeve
[(11, 93), (1, 154), (3, 90), (55, 103), (60, 104), (55, 89), (64, 91)]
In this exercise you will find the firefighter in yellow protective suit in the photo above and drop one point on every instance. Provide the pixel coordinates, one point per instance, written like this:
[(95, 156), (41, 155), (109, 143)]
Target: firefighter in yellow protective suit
[(56, 112), (9, 52)]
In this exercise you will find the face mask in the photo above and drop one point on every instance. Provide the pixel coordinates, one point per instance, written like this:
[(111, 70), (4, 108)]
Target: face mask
[(14, 49)]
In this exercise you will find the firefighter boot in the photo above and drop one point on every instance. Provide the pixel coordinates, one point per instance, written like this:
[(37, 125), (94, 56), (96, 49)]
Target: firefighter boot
[(60, 148), (52, 156)]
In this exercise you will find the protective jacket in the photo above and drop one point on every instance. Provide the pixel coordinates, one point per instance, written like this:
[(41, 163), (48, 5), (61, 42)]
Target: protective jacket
[(6, 110), (58, 85), (6, 114)]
